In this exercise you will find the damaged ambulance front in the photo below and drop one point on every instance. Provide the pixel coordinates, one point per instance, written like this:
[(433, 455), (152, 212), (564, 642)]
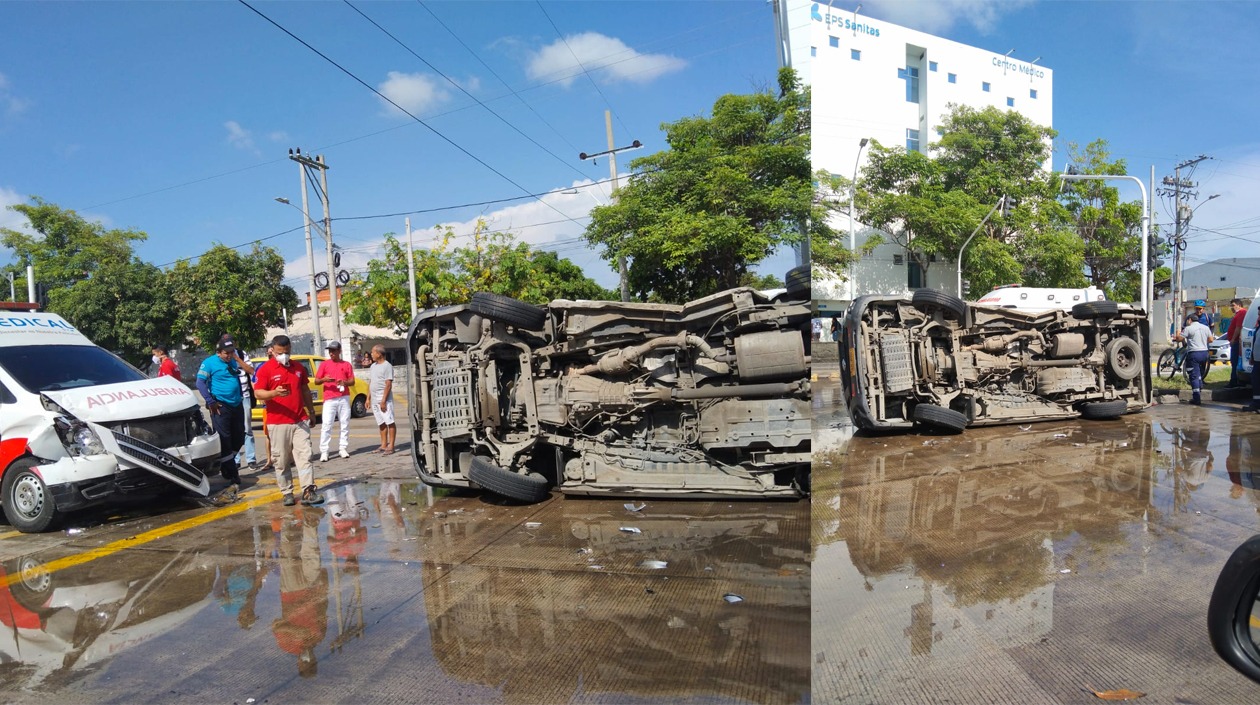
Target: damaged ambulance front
[(79, 426)]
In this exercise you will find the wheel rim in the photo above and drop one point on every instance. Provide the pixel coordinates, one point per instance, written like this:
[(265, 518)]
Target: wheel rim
[(28, 496), (33, 575), (1125, 360)]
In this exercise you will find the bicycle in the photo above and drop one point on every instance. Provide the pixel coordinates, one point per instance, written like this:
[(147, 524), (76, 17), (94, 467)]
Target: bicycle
[(1173, 362)]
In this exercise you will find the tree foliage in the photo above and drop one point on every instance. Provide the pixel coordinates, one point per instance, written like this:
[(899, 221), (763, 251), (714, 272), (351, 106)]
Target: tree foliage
[(230, 292), (729, 190), (450, 273), (93, 278), (1110, 230)]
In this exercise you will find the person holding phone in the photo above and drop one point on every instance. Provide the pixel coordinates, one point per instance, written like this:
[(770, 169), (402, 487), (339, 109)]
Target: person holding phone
[(282, 383)]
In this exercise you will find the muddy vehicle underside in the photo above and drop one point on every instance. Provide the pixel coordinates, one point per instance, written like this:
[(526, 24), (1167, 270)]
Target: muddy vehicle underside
[(706, 399), (934, 360)]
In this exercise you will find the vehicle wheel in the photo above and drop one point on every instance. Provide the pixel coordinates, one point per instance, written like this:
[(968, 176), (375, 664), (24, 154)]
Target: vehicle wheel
[(358, 407), (1094, 309), (798, 281), (1167, 366), (27, 504), (530, 487), (32, 583), (507, 310), (1124, 357), (940, 418), (1104, 409), (927, 299)]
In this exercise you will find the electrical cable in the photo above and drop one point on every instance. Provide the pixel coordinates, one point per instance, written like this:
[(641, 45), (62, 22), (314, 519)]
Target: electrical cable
[(579, 63)]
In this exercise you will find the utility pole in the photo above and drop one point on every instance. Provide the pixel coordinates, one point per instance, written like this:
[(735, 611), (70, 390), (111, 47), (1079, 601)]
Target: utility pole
[(1175, 186), (317, 342), (334, 296), (411, 271), (612, 169)]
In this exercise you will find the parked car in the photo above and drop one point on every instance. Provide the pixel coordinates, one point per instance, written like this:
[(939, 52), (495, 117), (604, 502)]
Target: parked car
[(358, 392), (1218, 351), (705, 399), (1234, 612), (81, 427), (932, 360)]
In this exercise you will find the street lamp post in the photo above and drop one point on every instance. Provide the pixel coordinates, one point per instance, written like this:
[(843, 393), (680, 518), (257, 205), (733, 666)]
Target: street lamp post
[(1001, 202), (852, 234), (317, 341), (1146, 222)]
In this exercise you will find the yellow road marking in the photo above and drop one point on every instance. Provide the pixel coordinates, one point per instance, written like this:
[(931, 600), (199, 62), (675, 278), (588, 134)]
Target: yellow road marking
[(264, 497)]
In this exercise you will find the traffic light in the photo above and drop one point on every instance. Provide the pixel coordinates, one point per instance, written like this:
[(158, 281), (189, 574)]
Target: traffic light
[(966, 289), (1154, 252)]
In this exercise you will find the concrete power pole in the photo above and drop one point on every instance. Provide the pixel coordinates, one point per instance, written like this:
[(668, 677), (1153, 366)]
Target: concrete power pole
[(305, 164), (317, 341), (334, 295), (612, 169), (1175, 186)]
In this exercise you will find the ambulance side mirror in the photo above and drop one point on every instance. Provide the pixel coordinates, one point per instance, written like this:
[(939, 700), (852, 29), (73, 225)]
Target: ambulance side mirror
[(6, 397)]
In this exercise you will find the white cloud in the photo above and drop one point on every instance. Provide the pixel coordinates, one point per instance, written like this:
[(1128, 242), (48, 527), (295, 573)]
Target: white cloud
[(414, 92), (278, 136), (239, 137), (607, 58), (938, 16), (12, 219), (10, 104), (1228, 226)]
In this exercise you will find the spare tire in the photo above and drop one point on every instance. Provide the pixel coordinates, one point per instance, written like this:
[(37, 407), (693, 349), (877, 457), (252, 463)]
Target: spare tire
[(1124, 357), (506, 309), (1104, 409), (940, 418), (798, 280), (529, 487), (1094, 309), (927, 299)]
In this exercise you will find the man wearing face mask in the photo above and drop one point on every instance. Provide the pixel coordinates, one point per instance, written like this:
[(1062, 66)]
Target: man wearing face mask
[(166, 366), (282, 383)]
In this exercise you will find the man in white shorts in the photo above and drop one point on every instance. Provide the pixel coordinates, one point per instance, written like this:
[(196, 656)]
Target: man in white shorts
[(381, 389)]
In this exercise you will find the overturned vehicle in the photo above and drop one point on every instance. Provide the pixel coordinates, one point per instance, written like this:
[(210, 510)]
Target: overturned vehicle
[(933, 360), (707, 399)]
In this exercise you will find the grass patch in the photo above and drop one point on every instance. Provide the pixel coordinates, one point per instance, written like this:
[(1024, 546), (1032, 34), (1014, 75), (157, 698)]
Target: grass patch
[(1217, 378)]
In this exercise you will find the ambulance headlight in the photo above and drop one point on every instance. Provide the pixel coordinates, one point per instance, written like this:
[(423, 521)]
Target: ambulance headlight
[(78, 437)]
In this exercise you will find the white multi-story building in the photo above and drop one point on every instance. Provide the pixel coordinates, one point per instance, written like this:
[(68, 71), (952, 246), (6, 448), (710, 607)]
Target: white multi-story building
[(873, 80)]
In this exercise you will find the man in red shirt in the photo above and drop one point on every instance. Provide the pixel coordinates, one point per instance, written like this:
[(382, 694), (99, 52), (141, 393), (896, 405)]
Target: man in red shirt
[(166, 366), (337, 376), (282, 383), (1234, 336)]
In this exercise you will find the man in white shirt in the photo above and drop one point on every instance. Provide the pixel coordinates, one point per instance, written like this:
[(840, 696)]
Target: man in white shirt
[(381, 391), (1196, 336)]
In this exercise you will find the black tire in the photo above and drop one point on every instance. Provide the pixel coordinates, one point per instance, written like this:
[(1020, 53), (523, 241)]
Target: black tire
[(1094, 309), (530, 487), (940, 418), (798, 281), (506, 309), (32, 583), (1100, 410), (1124, 357), (358, 407), (1167, 366), (28, 505), (927, 299)]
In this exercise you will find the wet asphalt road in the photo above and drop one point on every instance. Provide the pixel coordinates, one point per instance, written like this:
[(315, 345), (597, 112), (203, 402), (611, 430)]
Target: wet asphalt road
[(1027, 564), (391, 594)]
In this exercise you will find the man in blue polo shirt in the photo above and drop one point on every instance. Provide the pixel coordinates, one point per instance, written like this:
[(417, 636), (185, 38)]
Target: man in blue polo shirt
[(219, 382)]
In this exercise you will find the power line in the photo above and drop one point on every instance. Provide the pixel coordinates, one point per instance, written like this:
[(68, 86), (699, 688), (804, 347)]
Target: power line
[(382, 96), (579, 63)]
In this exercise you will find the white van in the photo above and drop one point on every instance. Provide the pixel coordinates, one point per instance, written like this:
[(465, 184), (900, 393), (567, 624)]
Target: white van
[(1036, 300), (79, 426), (1248, 336)]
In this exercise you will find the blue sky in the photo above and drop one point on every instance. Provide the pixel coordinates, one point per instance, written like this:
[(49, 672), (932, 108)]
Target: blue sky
[(176, 118), (1162, 82)]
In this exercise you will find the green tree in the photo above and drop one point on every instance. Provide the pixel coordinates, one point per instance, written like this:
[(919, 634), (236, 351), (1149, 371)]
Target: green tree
[(228, 292), (1110, 230), (94, 280), (729, 190), (451, 274)]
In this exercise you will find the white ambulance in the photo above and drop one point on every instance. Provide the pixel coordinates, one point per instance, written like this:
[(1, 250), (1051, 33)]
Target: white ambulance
[(1036, 300), (79, 426)]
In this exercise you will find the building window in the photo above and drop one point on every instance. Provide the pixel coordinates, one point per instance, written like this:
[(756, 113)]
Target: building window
[(899, 260), (855, 55), (1032, 93), (1010, 102), (932, 66), (833, 41), (985, 86), (813, 51), (912, 140), (911, 76), (953, 78)]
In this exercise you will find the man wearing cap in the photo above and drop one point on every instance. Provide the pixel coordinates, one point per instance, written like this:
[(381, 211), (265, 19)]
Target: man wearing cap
[(282, 383), (1200, 314), (337, 376), (218, 380)]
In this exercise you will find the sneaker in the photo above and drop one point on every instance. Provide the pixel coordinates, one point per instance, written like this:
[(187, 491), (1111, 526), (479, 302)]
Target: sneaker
[(343, 453), (323, 457), (311, 498), (289, 501), (1195, 400)]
